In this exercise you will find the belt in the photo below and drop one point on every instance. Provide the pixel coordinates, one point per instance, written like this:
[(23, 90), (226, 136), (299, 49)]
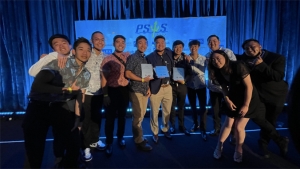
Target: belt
[(165, 85)]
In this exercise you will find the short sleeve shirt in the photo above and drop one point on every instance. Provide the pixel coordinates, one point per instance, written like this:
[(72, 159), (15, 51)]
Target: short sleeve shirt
[(115, 70), (133, 64)]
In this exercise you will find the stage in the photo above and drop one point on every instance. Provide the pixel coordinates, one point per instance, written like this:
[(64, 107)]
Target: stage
[(180, 152)]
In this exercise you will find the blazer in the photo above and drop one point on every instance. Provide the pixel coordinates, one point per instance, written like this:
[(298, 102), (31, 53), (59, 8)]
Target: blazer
[(152, 58), (268, 77)]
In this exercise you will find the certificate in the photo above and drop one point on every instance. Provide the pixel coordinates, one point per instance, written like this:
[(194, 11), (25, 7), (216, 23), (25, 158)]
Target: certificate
[(161, 71), (147, 70), (178, 73)]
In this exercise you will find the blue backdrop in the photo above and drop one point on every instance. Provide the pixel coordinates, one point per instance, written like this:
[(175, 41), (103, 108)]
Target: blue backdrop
[(26, 26)]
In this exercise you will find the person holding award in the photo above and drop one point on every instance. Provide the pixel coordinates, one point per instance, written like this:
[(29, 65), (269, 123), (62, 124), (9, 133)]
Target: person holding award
[(161, 91), (180, 70), (139, 91)]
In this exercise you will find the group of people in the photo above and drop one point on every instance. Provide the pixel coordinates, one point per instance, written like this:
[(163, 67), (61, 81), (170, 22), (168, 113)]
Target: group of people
[(71, 86)]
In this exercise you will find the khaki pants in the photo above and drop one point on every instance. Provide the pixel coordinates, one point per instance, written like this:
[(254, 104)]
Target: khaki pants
[(163, 97), (139, 108)]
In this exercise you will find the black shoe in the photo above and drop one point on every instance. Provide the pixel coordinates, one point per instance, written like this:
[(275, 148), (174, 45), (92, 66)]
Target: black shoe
[(194, 127), (122, 143), (214, 132), (155, 139), (263, 146), (283, 145), (172, 130), (167, 135), (109, 149), (204, 136), (185, 131), (144, 146)]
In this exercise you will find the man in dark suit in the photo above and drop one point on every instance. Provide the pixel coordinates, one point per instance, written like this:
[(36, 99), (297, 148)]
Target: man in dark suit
[(267, 73), (161, 90)]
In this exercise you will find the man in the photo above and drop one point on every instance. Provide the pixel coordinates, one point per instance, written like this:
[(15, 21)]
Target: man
[(55, 96), (93, 99), (161, 90), (179, 88), (267, 73), (139, 91), (60, 44), (196, 88), (62, 50), (116, 94), (215, 90)]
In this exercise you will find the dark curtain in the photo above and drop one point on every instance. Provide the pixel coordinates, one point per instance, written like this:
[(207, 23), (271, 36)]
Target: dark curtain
[(27, 25)]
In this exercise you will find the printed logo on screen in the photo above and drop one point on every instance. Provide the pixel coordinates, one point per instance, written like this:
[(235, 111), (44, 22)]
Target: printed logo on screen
[(154, 29), (107, 51), (201, 40)]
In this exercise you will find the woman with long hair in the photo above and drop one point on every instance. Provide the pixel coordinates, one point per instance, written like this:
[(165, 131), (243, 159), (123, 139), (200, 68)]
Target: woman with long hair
[(243, 102)]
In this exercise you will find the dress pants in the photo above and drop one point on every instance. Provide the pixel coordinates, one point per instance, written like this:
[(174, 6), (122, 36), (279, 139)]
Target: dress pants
[(179, 95), (193, 94), (163, 98), (39, 116), (264, 124), (216, 100), (139, 108), (119, 97), (92, 119), (271, 115)]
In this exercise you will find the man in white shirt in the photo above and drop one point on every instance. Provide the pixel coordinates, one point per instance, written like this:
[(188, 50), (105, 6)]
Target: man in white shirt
[(215, 90), (196, 88), (93, 99)]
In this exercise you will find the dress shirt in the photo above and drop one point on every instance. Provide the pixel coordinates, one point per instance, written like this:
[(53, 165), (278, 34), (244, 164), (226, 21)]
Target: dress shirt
[(94, 67), (35, 69), (197, 79), (115, 70)]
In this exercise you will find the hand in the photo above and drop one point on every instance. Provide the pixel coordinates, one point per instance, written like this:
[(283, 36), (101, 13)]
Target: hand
[(259, 60), (62, 60), (180, 81), (74, 87), (106, 100), (230, 104), (76, 124), (187, 58), (43, 55), (243, 110), (148, 93), (147, 79)]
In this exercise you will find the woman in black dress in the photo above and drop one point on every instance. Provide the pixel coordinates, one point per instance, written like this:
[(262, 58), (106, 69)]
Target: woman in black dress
[(242, 100)]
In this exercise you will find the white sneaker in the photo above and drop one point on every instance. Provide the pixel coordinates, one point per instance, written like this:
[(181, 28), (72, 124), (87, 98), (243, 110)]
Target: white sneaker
[(99, 145), (87, 156), (238, 157)]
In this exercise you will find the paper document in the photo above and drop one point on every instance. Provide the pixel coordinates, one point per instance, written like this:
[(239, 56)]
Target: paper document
[(161, 71), (178, 73), (147, 70)]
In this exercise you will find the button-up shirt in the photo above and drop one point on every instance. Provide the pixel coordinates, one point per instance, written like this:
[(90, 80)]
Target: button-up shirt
[(67, 76), (94, 67), (197, 79), (133, 64), (35, 69), (115, 70)]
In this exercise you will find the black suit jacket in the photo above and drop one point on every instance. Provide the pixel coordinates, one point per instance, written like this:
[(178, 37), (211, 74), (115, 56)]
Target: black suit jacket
[(152, 58), (268, 76)]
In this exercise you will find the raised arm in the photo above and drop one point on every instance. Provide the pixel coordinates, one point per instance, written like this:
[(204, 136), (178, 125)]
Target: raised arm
[(36, 68)]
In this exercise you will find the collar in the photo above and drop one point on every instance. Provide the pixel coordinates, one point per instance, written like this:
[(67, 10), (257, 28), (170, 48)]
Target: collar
[(75, 64), (94, 52), (137, 52)]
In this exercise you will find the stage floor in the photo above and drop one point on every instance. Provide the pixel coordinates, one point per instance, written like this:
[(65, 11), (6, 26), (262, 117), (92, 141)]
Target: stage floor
[(180, 152)]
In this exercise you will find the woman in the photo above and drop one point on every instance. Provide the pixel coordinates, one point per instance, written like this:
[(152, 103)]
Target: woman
[(240, 96), (243, 102)]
